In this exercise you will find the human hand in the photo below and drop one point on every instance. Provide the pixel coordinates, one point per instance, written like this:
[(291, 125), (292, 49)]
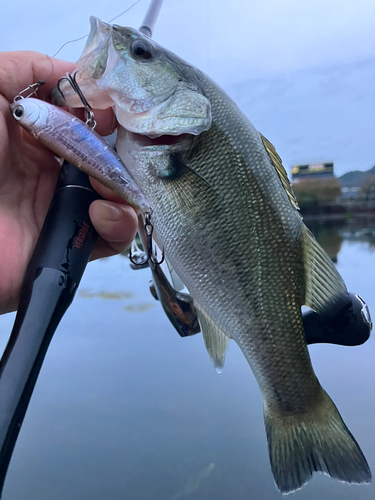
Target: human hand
[(28, 174)]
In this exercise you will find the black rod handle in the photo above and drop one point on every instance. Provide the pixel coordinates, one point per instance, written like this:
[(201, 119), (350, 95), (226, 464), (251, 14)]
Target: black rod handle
[(51, 280)]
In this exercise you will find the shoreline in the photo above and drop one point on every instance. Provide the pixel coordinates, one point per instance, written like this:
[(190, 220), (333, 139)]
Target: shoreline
[(344, 212)]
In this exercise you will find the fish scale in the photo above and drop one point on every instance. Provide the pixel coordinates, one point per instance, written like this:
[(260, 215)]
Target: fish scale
[(238, 248), (222, 265), (224, 211), (244, 296)]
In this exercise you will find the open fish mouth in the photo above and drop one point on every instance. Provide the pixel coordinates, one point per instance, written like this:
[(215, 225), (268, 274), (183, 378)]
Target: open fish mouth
[(162, 140), (170, 117), (112, 72)]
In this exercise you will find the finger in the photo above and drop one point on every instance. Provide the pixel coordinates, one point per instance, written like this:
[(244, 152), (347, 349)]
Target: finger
[(115, 223), (22, 68), (106, 121), (107, 193)]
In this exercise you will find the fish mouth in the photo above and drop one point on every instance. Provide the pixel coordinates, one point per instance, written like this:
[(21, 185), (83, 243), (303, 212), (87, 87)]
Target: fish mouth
[(106, 79), (165, 142), (147, 141)]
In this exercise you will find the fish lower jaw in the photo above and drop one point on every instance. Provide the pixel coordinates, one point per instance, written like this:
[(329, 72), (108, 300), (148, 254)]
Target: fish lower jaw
[(169, 141), (166, 142)]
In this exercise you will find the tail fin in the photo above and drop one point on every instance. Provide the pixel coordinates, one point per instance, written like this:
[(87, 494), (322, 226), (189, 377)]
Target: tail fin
[(318, 440)]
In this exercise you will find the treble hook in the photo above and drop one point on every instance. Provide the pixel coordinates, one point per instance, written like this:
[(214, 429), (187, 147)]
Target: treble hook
[(151, 254), (72, 79), (34, 87)]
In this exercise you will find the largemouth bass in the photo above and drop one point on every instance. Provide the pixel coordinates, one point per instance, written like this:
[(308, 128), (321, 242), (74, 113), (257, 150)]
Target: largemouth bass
[(225, 213)]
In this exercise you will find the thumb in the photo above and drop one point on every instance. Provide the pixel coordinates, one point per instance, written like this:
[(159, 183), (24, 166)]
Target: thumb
[(116, 224)]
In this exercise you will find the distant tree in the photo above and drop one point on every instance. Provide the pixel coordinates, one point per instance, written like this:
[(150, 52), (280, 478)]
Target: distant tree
[(317, 192), (368, 187)]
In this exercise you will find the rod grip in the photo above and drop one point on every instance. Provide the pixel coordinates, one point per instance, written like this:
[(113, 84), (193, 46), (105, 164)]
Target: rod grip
[(51, 280)]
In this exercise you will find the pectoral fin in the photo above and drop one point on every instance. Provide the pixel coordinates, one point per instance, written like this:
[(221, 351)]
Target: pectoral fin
[(325, 290), (215, 340)]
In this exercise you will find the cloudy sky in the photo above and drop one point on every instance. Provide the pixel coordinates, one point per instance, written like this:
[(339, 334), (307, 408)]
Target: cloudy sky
[(232, 41)]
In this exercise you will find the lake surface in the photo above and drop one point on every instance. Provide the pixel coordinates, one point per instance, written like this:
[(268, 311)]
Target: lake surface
[(126, 409)]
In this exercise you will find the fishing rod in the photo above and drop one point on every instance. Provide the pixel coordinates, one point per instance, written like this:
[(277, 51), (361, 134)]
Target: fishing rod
[(151, 17), (54, 272), (51, 280)]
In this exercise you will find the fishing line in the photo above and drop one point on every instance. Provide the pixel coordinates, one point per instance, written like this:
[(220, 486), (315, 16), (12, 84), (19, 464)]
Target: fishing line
[(70, 41), (34, 87), (87, 34), (52, 69), (125, 11)]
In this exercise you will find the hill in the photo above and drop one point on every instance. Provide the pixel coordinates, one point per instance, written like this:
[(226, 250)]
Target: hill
[(355, 178)]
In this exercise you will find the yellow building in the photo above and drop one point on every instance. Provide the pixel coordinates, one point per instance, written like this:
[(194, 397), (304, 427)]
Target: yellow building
[(313, 171)]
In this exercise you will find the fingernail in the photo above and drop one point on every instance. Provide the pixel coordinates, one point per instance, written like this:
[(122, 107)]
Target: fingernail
[(111, 212)]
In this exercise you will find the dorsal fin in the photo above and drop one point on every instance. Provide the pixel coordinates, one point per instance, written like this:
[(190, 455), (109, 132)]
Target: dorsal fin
[(325, 290), (279, 167)]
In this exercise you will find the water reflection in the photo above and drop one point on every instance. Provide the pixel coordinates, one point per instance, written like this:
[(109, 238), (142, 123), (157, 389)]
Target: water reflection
[(140, 307), (126, 408), (331, 234), (194, 483), (87, 294), (362, 234), (329, 237)]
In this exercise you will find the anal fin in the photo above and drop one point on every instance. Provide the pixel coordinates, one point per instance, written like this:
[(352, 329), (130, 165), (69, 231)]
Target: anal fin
[(215, 340)]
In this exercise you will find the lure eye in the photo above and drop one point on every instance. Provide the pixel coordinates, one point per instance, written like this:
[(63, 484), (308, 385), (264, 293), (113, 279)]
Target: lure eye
[(18, 112), (141, 49)]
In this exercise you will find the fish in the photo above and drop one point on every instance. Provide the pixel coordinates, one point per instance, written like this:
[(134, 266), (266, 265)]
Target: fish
[(70, 138), (227, 218)]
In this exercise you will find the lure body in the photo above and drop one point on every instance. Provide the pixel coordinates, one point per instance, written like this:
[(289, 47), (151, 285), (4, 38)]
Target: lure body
[(70, 138)]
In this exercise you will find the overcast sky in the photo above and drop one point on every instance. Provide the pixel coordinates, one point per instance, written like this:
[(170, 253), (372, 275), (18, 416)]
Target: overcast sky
[(230, 40), (268, 41)]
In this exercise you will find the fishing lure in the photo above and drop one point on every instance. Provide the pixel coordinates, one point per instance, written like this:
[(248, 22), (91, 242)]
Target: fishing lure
[(75, 141)]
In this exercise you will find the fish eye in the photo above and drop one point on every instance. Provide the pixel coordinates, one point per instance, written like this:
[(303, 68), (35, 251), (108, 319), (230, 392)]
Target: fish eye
[(141, 49), (18, 112)]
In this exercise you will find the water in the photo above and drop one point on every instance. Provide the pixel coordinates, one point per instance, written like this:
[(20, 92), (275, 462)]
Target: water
[(126, 409)]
